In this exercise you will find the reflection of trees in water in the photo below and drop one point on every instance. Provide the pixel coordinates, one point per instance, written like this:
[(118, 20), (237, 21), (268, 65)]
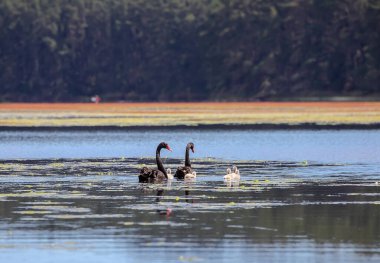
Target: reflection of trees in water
[(321, 213), (299, 215)]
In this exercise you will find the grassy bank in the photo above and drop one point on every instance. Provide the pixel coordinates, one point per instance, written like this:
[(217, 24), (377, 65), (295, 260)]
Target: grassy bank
[(313, 114)]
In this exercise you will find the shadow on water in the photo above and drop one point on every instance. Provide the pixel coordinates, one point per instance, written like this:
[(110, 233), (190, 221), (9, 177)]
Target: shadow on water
[(279, 210)]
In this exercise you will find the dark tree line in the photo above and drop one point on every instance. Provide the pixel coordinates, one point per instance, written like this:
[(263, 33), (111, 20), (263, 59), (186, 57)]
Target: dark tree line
[(143, 50)]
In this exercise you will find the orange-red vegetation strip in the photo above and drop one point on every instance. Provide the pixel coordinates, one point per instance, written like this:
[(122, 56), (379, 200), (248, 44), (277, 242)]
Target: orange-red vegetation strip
[(141, 114)]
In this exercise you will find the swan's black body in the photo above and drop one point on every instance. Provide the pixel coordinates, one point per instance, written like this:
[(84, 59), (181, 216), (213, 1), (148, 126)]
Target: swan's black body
[(148, 175), (182, 171)]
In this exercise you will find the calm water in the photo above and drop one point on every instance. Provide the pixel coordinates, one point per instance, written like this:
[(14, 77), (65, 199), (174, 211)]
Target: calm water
[(303, 196), (348, 146)]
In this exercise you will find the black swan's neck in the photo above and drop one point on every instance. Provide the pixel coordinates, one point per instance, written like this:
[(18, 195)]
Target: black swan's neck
[(160, 166), (187, 157)]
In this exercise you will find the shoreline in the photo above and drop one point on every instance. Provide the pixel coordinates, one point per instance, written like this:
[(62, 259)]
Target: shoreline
[(302, 126)]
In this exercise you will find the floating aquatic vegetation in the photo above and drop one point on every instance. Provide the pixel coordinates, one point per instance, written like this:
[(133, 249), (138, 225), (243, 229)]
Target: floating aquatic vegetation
[(271, 199), (188, 114), (56, 208), (32, 212), (84, 216)]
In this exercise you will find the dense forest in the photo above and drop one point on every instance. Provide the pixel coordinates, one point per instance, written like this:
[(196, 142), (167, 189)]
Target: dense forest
[(186, 50)]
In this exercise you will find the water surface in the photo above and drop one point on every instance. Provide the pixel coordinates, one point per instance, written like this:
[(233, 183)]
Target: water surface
[(287, 145), (304, 195)]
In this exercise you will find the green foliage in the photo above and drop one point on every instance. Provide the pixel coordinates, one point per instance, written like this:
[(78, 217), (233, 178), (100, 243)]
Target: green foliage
[(187, 50)]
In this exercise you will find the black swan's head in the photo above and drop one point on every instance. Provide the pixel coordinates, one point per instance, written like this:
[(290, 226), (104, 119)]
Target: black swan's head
[(190, 145), (164, 145)]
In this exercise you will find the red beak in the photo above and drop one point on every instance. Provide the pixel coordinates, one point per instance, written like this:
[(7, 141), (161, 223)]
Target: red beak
[(192, 149), (168, 147)]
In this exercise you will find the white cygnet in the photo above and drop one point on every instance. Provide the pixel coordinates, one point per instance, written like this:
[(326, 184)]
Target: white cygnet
[(192, 175), (169, 173), (228, 176)]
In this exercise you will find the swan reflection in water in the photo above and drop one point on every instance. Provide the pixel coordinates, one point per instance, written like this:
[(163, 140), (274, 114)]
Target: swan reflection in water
[(232, 184), (161, 193), (189, 182), (167, 211)]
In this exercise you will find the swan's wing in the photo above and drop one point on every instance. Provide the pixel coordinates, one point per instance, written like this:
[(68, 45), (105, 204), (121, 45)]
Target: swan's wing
[(157, 175), (150, 175), (182, 171), (144, 175)]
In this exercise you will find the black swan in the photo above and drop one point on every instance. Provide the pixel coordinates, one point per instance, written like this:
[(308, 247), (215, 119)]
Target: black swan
[(151, 175), (182, 171)]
